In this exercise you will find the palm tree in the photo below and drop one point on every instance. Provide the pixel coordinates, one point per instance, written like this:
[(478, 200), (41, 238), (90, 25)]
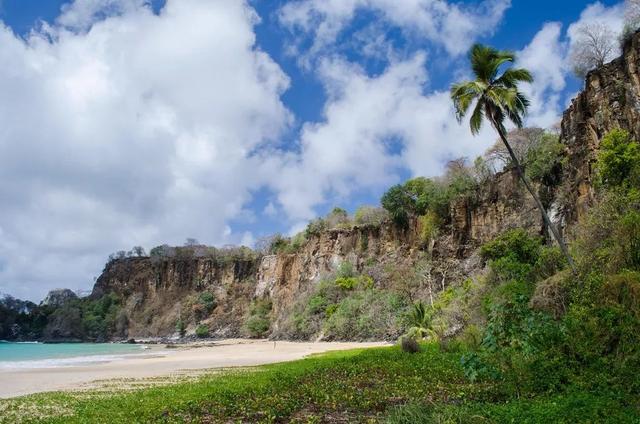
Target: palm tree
[(420, 319), (497, 98)]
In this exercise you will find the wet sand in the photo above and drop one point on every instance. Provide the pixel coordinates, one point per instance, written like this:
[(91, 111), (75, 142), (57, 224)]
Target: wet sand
[(162, 362)]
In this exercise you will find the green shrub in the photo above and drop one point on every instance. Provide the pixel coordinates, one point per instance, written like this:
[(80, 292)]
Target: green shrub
[(180, 328), (618, 160), (347, 283), (366, 315), (315, 227), (542, 162), (277, 244), (297, 242), (516, 244), (337, 218), (208, 301), (370, 215), (257, 326), (345, 270), (429, 225), (629, 239), (550, 261), (608, 238), (258, 322), (400, 205), (202, 331)]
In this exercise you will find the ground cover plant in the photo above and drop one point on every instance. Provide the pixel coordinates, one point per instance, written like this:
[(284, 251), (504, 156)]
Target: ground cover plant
[(370, 385)]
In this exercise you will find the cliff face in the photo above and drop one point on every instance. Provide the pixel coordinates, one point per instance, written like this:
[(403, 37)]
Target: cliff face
[(610, 99), (156, 293), (499, 205)]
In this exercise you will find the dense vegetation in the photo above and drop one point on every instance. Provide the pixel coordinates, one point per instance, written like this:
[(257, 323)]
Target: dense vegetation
[(77, 319)]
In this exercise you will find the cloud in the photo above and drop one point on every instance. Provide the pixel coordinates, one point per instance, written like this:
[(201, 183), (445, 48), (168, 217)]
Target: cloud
[(81, 14), (545, 57), (373, 128), (124, 127), (451, 25)]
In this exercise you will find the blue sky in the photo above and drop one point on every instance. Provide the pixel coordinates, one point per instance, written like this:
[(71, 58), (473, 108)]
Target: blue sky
[(129, 122)]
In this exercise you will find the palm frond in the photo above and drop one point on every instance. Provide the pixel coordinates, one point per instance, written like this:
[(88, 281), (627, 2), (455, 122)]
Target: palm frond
[(511, 77), (477, 118), (519, 110), (463, 95)]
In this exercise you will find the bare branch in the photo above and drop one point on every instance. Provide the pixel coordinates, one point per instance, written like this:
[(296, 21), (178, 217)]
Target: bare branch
[(594, 47)]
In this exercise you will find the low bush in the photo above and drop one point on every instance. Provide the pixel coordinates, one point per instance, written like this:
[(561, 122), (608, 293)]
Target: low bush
[(258, 322), (202, 331), (370, 216), (409, 344), (366, 315)]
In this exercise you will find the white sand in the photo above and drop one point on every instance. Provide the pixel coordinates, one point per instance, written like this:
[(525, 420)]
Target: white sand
[(162, 362)]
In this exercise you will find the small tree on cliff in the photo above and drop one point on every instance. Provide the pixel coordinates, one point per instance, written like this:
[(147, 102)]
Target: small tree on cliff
[(496, 97)]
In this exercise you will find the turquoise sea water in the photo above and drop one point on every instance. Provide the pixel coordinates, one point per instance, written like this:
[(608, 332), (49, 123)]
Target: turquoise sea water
[(39, 355)]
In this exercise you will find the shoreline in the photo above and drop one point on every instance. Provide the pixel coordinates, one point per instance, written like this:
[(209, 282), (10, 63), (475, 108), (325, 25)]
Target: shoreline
[(180, 361)]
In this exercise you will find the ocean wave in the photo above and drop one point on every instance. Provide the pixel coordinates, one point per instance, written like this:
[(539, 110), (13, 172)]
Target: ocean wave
[(74, 361)]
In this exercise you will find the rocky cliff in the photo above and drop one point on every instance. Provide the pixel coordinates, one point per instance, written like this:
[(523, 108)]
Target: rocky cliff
[(156, 293), (609, 100)]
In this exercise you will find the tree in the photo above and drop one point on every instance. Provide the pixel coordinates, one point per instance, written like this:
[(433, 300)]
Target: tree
[(496, 97), (399, 203), (619, 160), (595, 45), (191, 242), (421, 321), (522, 140)]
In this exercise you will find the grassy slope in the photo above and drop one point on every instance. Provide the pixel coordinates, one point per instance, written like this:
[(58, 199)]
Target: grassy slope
[(369, 385)]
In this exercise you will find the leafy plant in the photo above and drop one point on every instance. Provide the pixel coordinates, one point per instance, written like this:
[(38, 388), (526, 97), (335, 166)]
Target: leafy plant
[(619, 160), (258, 320), (180, 328), (421, 322), (202, 331)]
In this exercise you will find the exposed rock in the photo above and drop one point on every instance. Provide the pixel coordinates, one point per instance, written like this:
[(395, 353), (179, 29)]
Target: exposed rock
[(501, 204), (610, 99), (58, 297)]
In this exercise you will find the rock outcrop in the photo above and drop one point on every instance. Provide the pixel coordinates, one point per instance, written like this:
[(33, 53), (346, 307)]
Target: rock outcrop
[(610, 99), (58, 297), (157, 292)]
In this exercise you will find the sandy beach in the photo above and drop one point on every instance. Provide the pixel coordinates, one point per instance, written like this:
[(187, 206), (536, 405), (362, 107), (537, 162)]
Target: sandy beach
[(162, 362)]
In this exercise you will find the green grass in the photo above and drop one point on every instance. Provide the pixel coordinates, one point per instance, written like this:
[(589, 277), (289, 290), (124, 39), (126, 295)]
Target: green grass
[(371, 385)]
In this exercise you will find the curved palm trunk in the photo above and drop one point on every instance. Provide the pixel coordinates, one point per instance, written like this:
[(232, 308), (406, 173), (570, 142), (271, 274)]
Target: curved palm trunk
[(545, 217)]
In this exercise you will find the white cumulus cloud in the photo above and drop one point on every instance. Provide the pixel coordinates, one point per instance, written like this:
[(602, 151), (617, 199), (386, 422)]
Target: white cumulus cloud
[(123, 127), (372, 128), (449, 24)]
